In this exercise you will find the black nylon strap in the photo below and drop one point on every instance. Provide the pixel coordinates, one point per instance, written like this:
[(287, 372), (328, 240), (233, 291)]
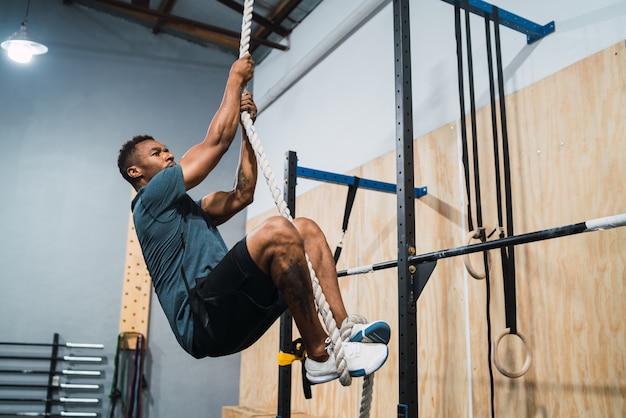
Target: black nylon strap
[(297, 349), (510, 298), (346, 214), (470, 73), (459, 58)]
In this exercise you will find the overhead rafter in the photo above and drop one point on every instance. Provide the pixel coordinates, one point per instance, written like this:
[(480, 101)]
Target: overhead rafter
[(266, 23), (191, 29), (281, 12), (166, 6)]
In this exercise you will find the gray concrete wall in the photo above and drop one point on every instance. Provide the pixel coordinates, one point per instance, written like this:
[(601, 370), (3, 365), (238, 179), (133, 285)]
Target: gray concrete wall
[(64, 207)]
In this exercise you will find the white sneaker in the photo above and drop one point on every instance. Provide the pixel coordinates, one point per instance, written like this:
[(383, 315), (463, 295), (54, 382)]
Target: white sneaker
[(361, 359), (375, 332)]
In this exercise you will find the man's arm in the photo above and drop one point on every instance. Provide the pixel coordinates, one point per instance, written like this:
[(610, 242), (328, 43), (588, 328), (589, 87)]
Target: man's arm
[(202, 158), (221, 206)]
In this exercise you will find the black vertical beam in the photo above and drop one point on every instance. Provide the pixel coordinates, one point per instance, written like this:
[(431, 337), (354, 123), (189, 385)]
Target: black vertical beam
[(52, 373), (286, 327), (407, 310)]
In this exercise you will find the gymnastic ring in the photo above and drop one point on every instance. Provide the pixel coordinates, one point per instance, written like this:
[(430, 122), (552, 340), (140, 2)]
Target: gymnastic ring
[(496, 361), (475, 234)]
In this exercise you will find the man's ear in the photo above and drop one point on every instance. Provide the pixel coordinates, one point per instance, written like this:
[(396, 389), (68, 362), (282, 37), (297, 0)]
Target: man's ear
[(133, 172)]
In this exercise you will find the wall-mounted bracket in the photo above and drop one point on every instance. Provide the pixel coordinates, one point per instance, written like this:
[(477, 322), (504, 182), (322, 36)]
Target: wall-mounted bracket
[(328, 177), (532, 30), (423, 273)]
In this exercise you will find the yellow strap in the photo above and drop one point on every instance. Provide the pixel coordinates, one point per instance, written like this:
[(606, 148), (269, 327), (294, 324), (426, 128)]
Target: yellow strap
[(285, 359)]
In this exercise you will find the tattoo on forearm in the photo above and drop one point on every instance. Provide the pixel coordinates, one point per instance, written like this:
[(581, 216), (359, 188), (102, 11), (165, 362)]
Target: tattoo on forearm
[(242, 181)]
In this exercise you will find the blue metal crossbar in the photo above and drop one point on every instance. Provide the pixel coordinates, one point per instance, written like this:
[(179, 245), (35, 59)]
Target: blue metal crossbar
[(328, 177), (533, 31)]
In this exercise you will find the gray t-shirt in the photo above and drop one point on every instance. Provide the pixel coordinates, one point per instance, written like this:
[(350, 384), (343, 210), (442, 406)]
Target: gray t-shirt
[(175, 232)]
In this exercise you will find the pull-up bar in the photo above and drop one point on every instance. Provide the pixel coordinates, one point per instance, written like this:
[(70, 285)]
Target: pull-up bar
[(309, 173), (598, 224), (532, 30)]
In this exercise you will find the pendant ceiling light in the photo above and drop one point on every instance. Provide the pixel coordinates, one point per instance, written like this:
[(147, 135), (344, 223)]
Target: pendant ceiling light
[(21, 46)]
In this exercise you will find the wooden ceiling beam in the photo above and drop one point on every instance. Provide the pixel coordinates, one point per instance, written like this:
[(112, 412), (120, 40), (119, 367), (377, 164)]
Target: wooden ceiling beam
[(166, 6), (191, 28), (141, 3), (281, 12), (267, 23)]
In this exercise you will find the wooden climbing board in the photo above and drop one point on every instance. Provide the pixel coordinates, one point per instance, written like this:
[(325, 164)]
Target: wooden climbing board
[(568, 160), (137, 289)]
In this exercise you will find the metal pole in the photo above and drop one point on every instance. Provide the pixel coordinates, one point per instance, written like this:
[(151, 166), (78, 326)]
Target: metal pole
[(49, 414), (286, 326), (598, 224), (407, 312), (63, 358), (51, 377), (73, 373), (67, 345), (52, 386), (61, 400)]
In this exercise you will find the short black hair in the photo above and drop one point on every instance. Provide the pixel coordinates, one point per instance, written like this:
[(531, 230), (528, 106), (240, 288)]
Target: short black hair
[(126, 157)]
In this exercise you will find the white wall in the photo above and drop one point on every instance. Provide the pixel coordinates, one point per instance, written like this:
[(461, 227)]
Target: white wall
[(341, 113)]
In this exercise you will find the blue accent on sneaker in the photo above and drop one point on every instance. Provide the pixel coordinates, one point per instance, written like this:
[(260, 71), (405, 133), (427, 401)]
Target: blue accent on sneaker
[(357, 373), (377, 332)]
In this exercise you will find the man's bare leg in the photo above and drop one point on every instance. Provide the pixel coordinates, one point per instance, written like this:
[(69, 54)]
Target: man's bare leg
[(277, 248), (321, 257)]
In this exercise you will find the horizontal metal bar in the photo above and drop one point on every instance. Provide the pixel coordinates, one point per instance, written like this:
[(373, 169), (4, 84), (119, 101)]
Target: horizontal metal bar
[(48, 372), (61, 400), (598, 224), (64, 358), (502, 242), (532, 30), (49, 414), (71, 386), (79, 400), (68, 345), (328, 177)]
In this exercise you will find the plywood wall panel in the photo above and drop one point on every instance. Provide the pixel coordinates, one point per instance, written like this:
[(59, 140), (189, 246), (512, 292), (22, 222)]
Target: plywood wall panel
[(566, 159), (568, 162)]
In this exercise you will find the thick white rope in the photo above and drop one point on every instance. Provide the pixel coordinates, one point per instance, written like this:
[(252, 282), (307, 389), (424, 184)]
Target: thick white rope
[(320, 299), (276, 192)]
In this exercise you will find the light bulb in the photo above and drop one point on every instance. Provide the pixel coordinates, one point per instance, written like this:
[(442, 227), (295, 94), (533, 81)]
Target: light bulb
[(20, 51), (21, 46)]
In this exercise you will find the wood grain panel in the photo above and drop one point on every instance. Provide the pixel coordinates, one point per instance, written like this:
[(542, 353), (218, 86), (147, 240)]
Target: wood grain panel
[(568, 162), (136, 290)]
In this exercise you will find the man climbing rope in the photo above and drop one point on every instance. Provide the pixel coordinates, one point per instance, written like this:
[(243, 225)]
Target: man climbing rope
[(220, 301)]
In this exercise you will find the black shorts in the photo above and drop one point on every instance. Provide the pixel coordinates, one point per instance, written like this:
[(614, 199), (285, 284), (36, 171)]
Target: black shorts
[(241, 301)]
